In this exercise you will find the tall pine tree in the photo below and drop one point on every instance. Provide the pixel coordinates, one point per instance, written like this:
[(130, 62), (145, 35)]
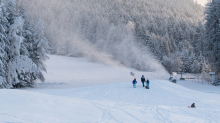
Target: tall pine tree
[(22, 48), (212, 25)]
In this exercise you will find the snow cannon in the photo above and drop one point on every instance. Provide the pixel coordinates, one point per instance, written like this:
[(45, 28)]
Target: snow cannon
[(132, 73), (171, 79)]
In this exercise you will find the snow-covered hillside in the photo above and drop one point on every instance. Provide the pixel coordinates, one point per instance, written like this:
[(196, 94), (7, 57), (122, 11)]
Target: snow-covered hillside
[(78, 72), (99, 102)]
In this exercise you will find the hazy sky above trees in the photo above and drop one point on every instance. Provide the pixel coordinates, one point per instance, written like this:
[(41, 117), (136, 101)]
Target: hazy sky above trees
[(202, 2)]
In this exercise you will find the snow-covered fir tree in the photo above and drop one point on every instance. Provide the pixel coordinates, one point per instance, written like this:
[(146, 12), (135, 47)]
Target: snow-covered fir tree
[(212, 25), (199, 39), (4, 45), (18, 66), (196, 67)]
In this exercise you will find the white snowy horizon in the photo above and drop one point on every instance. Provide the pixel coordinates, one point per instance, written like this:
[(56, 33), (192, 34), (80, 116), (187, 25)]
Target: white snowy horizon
[(202, 2)]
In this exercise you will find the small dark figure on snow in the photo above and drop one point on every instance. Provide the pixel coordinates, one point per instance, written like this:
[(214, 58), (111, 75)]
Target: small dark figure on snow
[(134, 82), (193, 105), (148, 83), (142, 80)]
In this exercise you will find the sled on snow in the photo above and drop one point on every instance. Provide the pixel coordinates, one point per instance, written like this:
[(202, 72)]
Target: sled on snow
[(191, 107)]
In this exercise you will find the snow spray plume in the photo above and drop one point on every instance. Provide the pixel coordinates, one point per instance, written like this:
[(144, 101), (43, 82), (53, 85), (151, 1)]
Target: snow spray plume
[(92, 29)]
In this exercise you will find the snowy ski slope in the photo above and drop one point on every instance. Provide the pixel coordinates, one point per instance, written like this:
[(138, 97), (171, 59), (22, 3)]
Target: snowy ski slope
[(90, 99)]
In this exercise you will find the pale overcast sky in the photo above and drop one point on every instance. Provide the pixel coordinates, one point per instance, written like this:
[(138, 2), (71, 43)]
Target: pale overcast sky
[(202, 2)]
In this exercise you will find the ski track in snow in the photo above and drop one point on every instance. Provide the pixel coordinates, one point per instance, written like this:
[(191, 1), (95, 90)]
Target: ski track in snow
[(164, 102)]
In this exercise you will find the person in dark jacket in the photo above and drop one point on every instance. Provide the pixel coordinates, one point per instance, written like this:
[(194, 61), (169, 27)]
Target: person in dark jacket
[(134, 82), (193, 105), (142, 80), (148, 83)]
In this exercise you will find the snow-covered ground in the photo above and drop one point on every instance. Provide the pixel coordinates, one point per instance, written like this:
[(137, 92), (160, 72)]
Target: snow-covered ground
[(71, 72), (90, 92)]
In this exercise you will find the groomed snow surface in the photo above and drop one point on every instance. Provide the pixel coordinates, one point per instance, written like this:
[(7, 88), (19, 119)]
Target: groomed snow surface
[(77, 91)]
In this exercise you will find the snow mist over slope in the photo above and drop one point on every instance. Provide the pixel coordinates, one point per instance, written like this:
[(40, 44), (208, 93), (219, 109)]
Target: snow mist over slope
[(100, 28), (65, 26), (69, 72)]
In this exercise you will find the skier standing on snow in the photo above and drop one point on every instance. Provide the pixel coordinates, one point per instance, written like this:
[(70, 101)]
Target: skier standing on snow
[(142, 80), (148, 83), (134, 82)]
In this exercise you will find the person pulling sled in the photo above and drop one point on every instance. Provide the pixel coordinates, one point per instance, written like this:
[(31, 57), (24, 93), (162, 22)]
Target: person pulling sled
[(134, 82)]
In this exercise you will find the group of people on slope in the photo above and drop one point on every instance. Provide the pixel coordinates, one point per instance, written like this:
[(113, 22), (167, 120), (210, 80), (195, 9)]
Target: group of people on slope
[(142, 80), (147, 84)]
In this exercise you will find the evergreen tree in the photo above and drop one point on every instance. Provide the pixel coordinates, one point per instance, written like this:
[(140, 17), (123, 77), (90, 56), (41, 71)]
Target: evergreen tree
[(206, 68), (40, 46), (35, 46), (167, 64), (4, 43), (176, 64), (196, 67), (199, 39), (212, 25), (18, 43)]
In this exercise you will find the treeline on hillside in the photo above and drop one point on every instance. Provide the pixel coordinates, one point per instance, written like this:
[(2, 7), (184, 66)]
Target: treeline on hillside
[(22, 47), (173, 31), (195, 51), (181, 49), (126, 29), (168, 28)]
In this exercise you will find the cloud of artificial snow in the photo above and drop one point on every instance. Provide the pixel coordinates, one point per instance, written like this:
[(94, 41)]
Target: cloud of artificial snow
[(62, 20)]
